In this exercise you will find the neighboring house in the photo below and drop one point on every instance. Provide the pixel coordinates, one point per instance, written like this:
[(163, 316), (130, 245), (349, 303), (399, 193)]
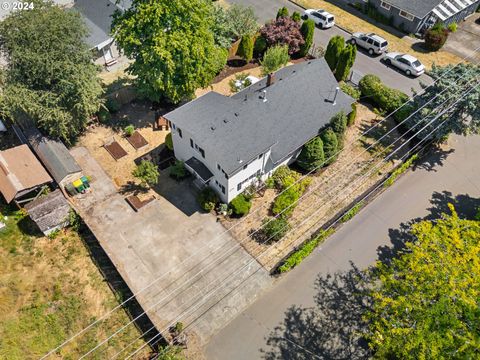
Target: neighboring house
[(416, 16), (232, 142), (55, 157), (20, 173), (49, 212), (98, 17)]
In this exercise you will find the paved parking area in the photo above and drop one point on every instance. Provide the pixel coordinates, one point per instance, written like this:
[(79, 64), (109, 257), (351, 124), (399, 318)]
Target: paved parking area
[(467, 38), (183, 253)]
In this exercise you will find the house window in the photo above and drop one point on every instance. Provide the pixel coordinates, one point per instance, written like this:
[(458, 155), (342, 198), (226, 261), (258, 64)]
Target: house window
[(385, 5), (239, 186), (406, 15), (245, 166), (201, 151), (218, 167), (179, 132), (223, 189), (174, 127), (260, 156), (191, 143), (258, 173)]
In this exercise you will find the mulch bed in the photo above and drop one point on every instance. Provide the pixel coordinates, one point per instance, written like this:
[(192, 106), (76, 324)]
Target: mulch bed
[(116, 150), (137, 140), (233, 66), (136, 203)]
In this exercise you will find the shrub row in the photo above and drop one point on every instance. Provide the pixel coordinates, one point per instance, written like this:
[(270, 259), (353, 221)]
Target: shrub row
[(400, 170), (387, 99), (352, 212), (298, 256)]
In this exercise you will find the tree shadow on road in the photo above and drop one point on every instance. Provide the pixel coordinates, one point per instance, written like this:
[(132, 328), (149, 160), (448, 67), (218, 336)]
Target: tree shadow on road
[(435, 158), (332, 329), (464, 204)]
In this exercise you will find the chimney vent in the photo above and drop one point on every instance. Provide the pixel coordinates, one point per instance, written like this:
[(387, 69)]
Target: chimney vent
[(270, 79)]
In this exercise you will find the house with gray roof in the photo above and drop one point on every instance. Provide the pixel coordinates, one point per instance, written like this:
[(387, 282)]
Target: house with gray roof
[(232, 142), (416, 16)]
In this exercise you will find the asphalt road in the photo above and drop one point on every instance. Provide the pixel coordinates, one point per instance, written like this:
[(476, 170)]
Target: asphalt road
[(442, 179), (364, 64)]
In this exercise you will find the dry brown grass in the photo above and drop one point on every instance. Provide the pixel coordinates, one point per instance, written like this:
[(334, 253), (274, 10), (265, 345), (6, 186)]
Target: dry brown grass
[(330, 191), (404, 44)]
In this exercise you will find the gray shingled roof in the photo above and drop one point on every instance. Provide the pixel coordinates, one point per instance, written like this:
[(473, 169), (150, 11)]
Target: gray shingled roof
[(49, 211), (239, 128), (98, 18), (53, 154), (418, 8)]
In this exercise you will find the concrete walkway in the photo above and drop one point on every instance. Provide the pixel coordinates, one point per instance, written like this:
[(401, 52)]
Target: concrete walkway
[(441, 180)]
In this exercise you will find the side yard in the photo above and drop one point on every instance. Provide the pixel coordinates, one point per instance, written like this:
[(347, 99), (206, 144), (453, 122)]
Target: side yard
[(50, 288), (404, 44)]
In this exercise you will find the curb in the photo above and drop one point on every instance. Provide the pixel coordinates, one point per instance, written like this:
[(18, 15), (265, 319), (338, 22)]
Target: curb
[(337, 26)]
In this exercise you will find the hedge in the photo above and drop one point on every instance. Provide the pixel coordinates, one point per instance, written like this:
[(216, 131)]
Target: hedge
[(240, 205), (387, 99), (298, 256), (352, 212), (352, 116), (400, 170)]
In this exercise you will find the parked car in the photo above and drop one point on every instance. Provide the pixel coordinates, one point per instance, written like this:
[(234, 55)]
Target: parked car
[(373, 43), (323, 19), (407, 63)]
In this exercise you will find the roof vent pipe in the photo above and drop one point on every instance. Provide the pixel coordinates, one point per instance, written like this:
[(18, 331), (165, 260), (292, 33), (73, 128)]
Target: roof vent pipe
[(264, 95), (337, 89)]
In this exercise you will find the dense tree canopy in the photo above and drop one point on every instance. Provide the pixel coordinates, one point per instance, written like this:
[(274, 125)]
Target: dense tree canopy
[(426, 301), (49, 77), (232, 23), (172, 44), (452, 83)]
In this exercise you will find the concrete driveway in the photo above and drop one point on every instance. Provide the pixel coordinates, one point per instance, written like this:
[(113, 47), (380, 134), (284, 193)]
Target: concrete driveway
[(368, 236), (364, 64), (467, 38), (173, 249)]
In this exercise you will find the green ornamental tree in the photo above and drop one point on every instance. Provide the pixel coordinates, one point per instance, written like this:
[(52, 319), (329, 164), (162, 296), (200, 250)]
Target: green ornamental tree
[(245, 50), (240, 205), (330, 145), (49, 76), (172, 45), (334, 49), (275, 229), (312, 155), (282, 12), (296, 16), (307, 30), (339, 123), (345, 62), (242, 20), (147, 173), (425, 301), (169, 141), (452, 91), (274, 58)]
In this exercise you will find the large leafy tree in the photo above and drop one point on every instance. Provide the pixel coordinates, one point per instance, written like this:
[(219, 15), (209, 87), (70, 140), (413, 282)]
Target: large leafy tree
[(49, 76), (426, 301), (451, 84), (172, 45)]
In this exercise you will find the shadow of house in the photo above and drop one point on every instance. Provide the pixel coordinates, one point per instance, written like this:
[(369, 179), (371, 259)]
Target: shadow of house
[(332, 329)]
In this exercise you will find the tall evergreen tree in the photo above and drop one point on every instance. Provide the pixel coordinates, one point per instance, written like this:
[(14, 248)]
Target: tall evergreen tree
[(307, 30), (311, 156), (345, 62), (172, 46), (282, 12), (334, 49), (49, 76), (330, 145), (245, 50)]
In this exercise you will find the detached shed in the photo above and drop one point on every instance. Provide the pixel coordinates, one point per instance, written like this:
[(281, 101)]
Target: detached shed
[(54, 155), (49, 212), (20, 173)]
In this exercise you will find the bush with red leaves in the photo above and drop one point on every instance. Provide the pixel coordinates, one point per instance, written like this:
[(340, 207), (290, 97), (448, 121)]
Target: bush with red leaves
[(436, 37), (283, 31)]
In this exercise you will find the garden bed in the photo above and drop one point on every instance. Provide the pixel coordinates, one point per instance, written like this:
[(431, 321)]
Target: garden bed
[(137, 140)]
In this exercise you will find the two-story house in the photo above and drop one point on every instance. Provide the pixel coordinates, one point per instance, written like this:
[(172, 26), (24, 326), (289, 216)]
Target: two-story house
[(229, 143)]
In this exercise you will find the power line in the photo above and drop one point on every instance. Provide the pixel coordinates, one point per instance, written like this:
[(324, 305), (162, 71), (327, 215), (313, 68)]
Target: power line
[(382, 161), (238, 223)]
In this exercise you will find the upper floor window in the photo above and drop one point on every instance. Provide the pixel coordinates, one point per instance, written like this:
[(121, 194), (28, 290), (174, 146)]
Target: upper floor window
[(245, 166), (201, 151), (260, 156), (385, 5), (219, 167), (191, 143), (179, 132), (239, 186), (406, 15)]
